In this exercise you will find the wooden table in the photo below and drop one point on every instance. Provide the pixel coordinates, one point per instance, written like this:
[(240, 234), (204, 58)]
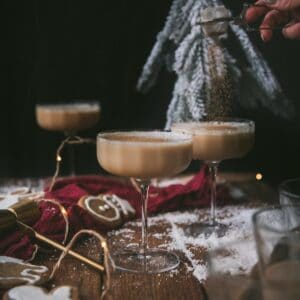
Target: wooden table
[(173, 285)]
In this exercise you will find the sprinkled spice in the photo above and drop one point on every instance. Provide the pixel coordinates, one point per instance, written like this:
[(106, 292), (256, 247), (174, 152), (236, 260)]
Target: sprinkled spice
[(220, 88), (166, 231)]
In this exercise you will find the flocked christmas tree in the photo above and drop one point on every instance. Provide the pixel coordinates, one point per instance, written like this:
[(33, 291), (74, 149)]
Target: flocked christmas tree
[(207, 70)]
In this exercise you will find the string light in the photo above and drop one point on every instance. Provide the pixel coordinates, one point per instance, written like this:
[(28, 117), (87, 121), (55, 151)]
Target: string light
[(64, 214), (106, 255), (71, 140), (39, 196), (259, 176)]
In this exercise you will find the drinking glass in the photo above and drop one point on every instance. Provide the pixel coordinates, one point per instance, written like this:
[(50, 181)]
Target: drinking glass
[(289, 192), (213, 142), (232, 266), (144, 155), (277, 238), (68, 117)]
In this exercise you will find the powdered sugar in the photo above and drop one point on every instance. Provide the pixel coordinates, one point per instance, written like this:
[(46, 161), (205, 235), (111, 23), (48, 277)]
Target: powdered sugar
[(236, 258), (125, 232), (174, 217), (239, 225), (238, 239)]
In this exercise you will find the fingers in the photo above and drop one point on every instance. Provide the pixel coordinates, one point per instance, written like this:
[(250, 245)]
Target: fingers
[(272, 19), (292, 31), (255, 12), (283, 5), (276, 12)]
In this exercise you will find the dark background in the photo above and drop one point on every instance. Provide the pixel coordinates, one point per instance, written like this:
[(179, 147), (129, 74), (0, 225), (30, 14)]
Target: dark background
[(64, 50)]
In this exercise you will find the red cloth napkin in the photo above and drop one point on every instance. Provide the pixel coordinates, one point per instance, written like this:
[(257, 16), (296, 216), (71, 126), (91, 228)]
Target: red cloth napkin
[(68, 191)]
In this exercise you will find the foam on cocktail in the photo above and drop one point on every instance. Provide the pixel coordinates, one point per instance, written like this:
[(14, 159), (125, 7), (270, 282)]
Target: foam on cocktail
[(144, 154), (153, 137), (213, 127), (71, 107), (67, 117)]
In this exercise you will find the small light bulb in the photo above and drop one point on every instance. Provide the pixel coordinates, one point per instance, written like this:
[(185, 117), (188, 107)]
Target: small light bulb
[(64, 212), (58, 158), (259, 176)]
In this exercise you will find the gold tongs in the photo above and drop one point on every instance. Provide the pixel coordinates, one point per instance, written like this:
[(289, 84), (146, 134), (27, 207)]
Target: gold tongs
[(27, 210)]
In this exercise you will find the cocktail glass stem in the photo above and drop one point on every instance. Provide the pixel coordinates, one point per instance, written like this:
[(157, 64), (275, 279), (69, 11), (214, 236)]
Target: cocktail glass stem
[(144, 188), (213, 170), (71, 154)]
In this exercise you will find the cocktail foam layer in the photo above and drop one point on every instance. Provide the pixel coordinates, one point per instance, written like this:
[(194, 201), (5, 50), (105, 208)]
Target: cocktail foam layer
[(70, 107), (147, 137), (214, 127)]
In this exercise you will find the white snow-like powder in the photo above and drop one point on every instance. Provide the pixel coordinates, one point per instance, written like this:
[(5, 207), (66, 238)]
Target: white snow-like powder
[(177, 217), (158, 235), (125, 232), (239, 225), (238, 239)]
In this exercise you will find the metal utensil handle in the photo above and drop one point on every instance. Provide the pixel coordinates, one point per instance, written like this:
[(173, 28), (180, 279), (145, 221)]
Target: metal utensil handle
[(58, 246)]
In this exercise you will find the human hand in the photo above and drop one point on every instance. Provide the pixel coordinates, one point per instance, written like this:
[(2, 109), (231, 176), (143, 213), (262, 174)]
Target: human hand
[(276, 13)]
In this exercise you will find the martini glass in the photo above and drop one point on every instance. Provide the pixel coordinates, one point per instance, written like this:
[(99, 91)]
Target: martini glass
[(69, 118), (144, 155), (213, 142)]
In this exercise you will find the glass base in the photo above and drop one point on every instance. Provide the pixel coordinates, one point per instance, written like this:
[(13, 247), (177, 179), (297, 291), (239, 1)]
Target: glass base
[(155, 261), (206, 228)]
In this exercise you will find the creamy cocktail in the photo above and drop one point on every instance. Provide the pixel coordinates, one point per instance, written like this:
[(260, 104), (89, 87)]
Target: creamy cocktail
[(214, 141), (144, 155), (69, 117), (217, 141)]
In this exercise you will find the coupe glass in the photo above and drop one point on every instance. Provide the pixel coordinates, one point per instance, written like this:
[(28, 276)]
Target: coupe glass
[(213, 142), (144, 155), (68, 117), (289, 192)]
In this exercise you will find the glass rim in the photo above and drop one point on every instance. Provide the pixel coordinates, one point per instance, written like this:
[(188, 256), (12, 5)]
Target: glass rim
[(283, 188), (184, 137), (235, 125), (68, 102), (224, 119), (270, 208)]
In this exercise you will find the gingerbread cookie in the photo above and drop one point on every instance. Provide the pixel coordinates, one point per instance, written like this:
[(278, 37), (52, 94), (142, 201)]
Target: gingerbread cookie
[(15, 271), (108, 209), (127, 211), (28, 292), (102, 210)]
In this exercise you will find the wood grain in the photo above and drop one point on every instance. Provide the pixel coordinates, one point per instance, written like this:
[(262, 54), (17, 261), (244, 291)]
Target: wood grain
[(179, 284)]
